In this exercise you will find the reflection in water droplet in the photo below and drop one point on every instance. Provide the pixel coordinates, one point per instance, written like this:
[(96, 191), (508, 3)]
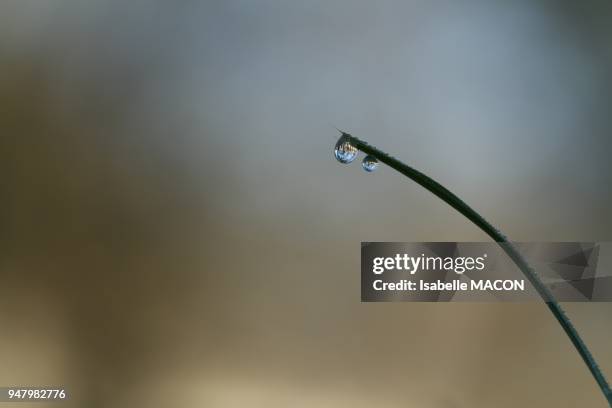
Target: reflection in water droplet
[(344, 151), (370, 163)]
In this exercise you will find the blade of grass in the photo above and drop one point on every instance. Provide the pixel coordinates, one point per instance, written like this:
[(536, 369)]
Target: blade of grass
[(451, 199)]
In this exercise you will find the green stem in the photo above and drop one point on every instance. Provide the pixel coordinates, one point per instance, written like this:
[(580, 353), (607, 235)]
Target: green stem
[(459, 205)]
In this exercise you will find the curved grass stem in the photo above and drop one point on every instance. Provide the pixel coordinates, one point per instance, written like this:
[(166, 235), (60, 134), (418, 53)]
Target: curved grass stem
[(510, 249)]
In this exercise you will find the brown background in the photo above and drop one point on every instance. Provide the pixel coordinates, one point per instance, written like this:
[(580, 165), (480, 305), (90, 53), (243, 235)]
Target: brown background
[(174, 230)]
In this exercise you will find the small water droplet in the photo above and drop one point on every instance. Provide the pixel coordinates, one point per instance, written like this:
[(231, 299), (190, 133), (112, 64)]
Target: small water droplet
[(344, 151), (370, 163)]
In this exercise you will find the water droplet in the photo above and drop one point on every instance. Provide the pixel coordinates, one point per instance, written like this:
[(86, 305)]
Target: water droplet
[(344, 151), (370, 163)]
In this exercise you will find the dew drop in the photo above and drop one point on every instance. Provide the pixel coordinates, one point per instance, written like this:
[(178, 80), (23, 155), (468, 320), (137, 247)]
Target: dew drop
[(370, 163), (344, 151)]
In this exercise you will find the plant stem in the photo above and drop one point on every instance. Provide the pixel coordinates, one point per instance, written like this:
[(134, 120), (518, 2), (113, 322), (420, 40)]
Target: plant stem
[(511, 250)]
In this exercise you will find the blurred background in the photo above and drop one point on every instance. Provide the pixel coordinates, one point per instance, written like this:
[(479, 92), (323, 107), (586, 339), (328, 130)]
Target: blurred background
[(174, 229)]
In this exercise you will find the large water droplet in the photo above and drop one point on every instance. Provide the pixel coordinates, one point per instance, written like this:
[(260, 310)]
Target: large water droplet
[(369, 163), (344, 151)]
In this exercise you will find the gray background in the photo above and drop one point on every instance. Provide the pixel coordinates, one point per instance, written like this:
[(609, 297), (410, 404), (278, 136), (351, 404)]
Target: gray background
[(175, 230)]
